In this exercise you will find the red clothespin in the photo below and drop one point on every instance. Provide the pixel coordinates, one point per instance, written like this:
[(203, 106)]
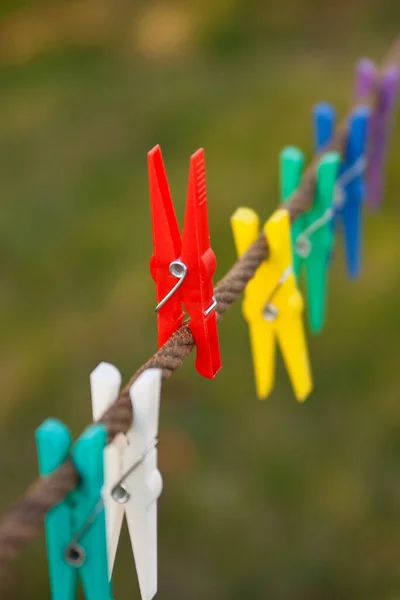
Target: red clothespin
[(183, 267)]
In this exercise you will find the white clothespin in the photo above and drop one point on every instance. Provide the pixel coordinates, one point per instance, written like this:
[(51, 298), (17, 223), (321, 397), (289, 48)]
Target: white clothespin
[(132, 481)]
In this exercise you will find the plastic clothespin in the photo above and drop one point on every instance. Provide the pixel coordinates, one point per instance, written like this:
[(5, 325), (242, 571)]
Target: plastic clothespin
[(350, 186), (75, 528), (189, 259), (312, 232), (387, 84), (273, 305), (132, 481)]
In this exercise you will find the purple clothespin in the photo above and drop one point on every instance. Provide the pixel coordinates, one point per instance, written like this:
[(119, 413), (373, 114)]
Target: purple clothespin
[(379, 129)]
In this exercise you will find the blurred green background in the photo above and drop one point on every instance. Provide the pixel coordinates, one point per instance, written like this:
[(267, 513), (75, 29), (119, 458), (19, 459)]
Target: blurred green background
[(261, 499)]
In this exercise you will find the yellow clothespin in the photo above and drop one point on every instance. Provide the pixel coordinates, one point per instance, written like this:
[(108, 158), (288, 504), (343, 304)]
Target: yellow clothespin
[(272, 304)]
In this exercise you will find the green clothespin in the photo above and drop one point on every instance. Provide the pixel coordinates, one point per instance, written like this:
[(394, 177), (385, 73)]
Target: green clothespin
[(312, 233), (76, 528)]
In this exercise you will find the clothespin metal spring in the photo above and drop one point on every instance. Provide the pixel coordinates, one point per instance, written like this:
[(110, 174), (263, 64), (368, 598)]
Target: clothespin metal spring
[(178, 269), (270, 311), (119, 493), (74, 554)]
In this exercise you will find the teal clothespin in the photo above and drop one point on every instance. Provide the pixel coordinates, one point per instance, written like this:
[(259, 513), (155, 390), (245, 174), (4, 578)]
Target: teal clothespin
[(76, 528), (312, 233)]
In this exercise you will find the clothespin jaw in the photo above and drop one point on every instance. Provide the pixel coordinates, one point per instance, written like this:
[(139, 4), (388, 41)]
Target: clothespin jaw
[(350, 187), (75, 528), (133, 482), (324, 119), (386, 86), (312, 233), (273, 305), (189, 260), (366, 78)]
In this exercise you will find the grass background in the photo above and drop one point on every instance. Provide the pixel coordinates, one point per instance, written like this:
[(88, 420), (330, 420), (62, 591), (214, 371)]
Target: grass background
[(268, 500)]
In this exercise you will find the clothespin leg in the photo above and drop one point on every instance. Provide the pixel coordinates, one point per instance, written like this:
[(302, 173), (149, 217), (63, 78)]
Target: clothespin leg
[(293, 346), (317, 283), (142, 526), (205, 333), (263, 350), (352, 218)]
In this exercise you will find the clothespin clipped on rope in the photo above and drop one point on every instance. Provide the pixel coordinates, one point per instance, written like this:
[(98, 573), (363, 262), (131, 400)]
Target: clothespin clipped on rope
[(132, 481), (350, 185), (368, 79), (189, 259), (273, 305), (312, 232), (75, 528)]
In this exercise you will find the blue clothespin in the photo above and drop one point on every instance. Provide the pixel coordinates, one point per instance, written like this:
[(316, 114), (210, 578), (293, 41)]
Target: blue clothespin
[(75, 528), (350, 188)]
